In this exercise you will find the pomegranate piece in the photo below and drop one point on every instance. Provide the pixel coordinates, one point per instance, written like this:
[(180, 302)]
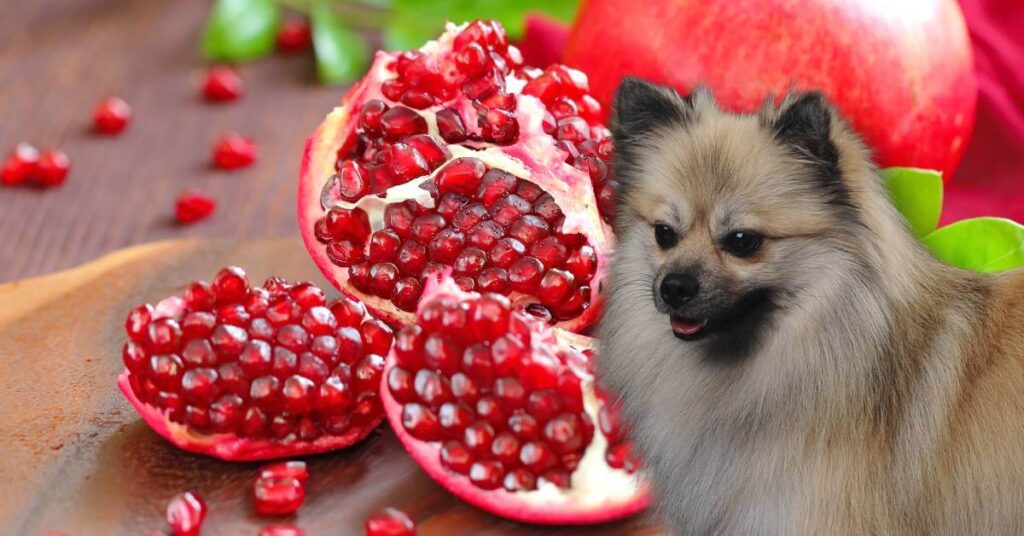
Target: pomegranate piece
[(241, 372), (221, 83), (111, 115), (294, 35), (233, 151), (192, 206), (500, 408), (21, 166), (390, 522), (476, 194), (281, 530), (185, 514)]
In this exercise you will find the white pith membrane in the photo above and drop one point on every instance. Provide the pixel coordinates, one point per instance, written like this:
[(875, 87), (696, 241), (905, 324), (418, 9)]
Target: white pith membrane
[(598, 493), (533, 157), (230, 446)]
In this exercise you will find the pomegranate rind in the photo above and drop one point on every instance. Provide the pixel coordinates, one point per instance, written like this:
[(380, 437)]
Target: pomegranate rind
[(230, 447), (532, 158), (544, 507)]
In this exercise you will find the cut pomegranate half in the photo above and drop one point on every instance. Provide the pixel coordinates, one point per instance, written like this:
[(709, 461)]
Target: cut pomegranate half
[(254, 373), (499, 408), (456, 156)]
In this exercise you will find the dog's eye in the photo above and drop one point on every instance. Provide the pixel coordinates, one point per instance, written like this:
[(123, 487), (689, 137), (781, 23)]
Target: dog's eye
[(742, 243), (665, 235)]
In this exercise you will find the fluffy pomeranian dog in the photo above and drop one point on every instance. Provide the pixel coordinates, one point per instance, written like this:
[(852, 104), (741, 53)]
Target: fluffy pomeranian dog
[(790, 357)]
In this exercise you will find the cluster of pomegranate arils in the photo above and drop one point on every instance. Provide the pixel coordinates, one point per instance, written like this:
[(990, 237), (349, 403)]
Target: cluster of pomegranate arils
[(501, 233), (25, 166), (469, 375), (274, 362)]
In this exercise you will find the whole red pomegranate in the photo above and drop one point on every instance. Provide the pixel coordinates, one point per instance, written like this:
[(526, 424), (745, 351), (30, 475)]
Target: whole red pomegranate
[(901, 71), (456, 156)]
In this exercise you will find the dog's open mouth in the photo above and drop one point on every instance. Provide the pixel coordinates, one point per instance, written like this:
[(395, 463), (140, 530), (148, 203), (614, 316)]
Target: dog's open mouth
[(688, 329)]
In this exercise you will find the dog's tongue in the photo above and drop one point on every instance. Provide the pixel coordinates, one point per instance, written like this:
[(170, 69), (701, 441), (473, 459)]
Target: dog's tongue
[(687, 327)]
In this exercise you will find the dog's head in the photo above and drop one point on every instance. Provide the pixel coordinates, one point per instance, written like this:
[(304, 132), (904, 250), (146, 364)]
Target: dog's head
[(729, 216)]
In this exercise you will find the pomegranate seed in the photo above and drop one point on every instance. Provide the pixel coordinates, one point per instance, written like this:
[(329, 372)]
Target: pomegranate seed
[(400, 384), (506, 252), (507, 210), (185, 514), (582, 263), (446, 245), (505, 448), (222, 84), (399, 122), (472, 59), (406, 163), (572, 129), (432, 150), (485, 235), (456, 457), (493, 280), (191, 206), (111, 115), (345, 252), (555, 287), (537, 457), (294, 35), (53, 168), (348, 224), (450, 126), (390, 522), (425, 227), (417, 98), (549, 251), (370, 115), (421, 422), (399, 218), (500, 126), (233, 151), (407, 293), (497, 184), (529, 229), (278, 496), (486, 474), (461, 175), (352, 181), (393, 89), (384, 245), (21, 166), (478, 437)]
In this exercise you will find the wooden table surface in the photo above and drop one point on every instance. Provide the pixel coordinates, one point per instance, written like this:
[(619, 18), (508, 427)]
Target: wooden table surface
[(58, 58)]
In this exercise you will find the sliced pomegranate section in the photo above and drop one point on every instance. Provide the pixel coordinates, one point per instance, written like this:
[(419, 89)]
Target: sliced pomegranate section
[(456, 156), (500, 409), (252, 373)]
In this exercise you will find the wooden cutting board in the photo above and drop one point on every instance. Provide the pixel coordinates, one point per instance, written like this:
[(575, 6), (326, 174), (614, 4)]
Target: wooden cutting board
[(75, 457)]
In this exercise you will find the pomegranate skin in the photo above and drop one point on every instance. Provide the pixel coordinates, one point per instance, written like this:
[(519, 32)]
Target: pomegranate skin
[(902, 72)]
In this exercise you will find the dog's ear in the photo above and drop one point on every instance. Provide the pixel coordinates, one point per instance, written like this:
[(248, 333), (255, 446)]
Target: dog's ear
[(804, 124), (640, 108)]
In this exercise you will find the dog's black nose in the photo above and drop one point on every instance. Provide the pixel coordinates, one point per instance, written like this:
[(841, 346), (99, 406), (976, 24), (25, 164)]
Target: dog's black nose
[(677, 289)]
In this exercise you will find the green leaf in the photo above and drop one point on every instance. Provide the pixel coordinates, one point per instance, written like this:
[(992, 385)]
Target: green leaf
[(414, 22), (340, 55), (241, 30), (980, 244), (917, 194)]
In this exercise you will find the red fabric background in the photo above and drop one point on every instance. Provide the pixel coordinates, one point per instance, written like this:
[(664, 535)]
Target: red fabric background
[(990, 181)]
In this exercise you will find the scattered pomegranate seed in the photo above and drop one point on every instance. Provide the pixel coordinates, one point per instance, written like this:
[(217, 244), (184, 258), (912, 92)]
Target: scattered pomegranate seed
[(222, 84), (291, 469), (294, 35), (281, 530), (21, 165), (233, 151), (390, 522), (277, 496), (185, 514), (111, 115), (53, 168), (191, 207)]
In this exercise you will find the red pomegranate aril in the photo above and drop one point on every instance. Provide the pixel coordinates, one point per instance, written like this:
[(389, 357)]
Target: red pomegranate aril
[(469, 216), (52, 168), (505, 252), (450, 203), (496, 185), (191, 206), (21, 166), (606, 199), (399, 122), (485, 235), (524, 275), (281, 530), (384, 245), (233, 151), (572, 129), (382, 279), (277, 496), (406, 163), (400, 383), (407, 293), (421, 422), (393, 89), (199, 385), (185, 514), (549, 251), (505, 448), (508, 209), (564, 433), (472, 59), (456, 457), (582, 263), (529, 229), (352, 181), (348, 224), (486, 474), (432, 150), (226, 413), (111, 115), (450, 126), (547, 209), (519, 480), (524, 426), (370, 115), (222, 84), (425, 227), (431, 388), (555, 287), (462, 175), (470, 261), (493, 280), (411, 257), (499, 126), (390, 522), (478, 437), (295, 35), (377, 336), (446, 246), (417, 98)]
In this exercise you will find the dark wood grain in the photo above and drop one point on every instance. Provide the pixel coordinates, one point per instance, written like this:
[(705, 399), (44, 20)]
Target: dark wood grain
[(75, 457), (58, 58)]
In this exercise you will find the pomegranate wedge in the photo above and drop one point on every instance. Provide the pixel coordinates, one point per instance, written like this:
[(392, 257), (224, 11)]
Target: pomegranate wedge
[(456, 156), (500, 409), (253, 373)]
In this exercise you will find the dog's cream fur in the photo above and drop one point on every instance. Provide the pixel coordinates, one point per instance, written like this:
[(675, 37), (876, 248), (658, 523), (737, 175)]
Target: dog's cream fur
[(885, 394)]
